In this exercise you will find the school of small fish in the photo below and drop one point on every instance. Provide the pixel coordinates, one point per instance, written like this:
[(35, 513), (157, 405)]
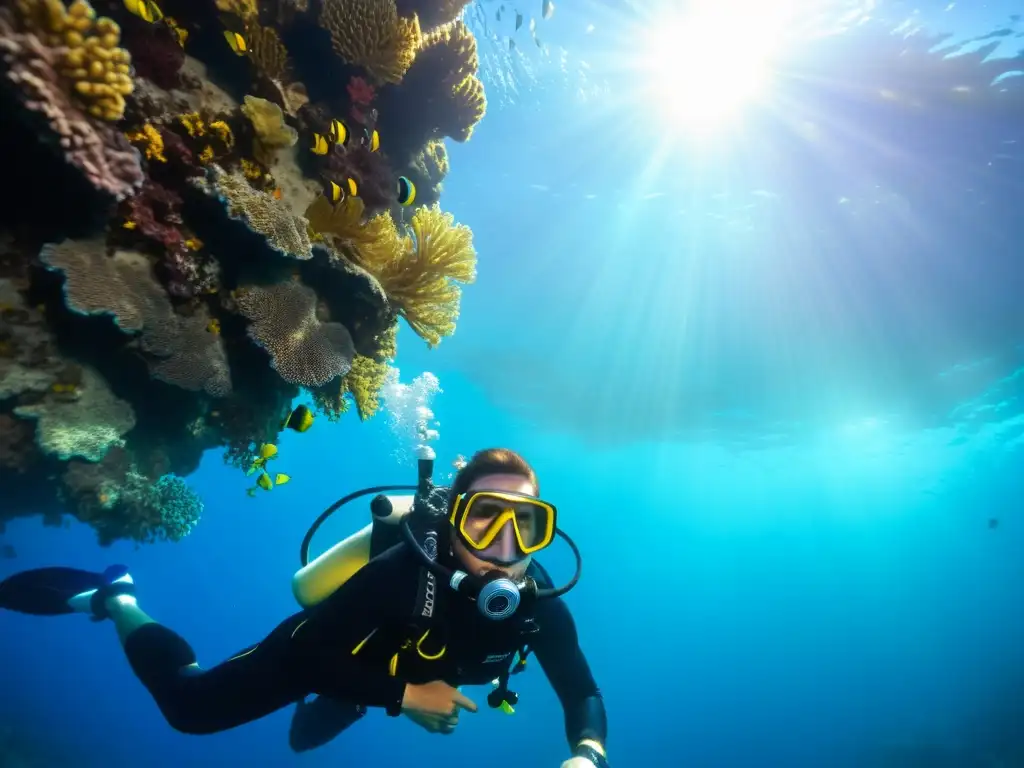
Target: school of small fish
[(338, 134), (299, 420), (547, 10)]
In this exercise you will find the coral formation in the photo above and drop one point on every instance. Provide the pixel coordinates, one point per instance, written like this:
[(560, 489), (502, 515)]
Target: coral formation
[(440, 96), (284, 320), (419, 273), (285, 232), (84, 425), (57, 63), (202, 278), (371, 34)]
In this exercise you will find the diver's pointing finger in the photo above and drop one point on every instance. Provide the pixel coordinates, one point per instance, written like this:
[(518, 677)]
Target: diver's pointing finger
[(462, 701)]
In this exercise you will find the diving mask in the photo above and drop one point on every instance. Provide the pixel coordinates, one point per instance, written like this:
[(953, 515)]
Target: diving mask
[(502, 528)]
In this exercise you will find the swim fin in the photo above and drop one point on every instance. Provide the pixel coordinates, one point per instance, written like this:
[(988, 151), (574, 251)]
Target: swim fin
[(46, 591)]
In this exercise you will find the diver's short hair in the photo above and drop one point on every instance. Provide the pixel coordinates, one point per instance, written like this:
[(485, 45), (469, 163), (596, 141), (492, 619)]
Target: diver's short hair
[(493, 461)]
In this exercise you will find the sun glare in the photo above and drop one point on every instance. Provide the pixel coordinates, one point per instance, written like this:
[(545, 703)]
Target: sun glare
[(705, 65)]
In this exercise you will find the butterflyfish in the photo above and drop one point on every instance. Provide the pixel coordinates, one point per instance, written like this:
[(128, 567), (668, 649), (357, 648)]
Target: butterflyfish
[(320, 144), (338, 132), (334, 192), (146, 10), (237, 42), (374, 140), (299, 419), (406, 191), (268, 451), (264, 482), (353, 188), (280, 478)]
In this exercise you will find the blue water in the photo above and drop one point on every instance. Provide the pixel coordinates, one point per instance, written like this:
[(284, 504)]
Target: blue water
[(773, 385)]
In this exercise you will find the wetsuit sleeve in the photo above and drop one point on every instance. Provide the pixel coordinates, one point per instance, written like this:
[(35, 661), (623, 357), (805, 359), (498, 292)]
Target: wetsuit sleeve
[(382, 593), (558, 650)]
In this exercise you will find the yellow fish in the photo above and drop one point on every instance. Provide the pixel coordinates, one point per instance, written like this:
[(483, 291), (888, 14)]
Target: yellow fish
[(406, 191), (334, 192), (374, 140), (146, 10), (180, 34), (353, 188), (213, 326), (264, 482), (338, 132), (299, 419), (320, 145), (281, 478), (268, 451), (129, 225), (237, 42)]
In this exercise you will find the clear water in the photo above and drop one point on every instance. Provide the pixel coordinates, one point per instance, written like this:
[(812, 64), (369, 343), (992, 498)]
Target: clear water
[(773, 383)]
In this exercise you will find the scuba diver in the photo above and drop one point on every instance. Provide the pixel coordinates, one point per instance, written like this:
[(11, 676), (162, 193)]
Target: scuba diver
[(441, 590)]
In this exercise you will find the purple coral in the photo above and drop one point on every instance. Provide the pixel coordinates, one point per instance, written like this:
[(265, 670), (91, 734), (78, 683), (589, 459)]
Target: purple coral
[(303, 349), (95, 148)]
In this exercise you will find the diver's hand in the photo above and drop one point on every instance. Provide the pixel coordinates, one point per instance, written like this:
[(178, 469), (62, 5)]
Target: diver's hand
[(435, 723), (578, 762), (436, 698)]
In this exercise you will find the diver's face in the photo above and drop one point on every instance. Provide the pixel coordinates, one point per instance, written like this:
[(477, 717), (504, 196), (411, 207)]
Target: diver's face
[(506, 539)]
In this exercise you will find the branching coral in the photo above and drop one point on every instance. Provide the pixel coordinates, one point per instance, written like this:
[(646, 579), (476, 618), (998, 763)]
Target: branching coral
[(371, 241), (368, 375), (285, 232), (121, 502), (418, 274), (86, 426), (284, 321), (420, 279), (36, 72), (371, 34)]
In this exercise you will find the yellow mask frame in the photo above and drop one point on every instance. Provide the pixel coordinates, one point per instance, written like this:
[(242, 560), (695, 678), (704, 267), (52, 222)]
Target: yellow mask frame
[(464, 503)]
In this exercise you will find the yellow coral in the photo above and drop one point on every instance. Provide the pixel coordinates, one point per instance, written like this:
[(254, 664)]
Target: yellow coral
[(267, 51), (367, 375), (193, 123), (455, 44), (222, 131), (374, 241), (418, 274), (470, 106), (371, 34), (272, 132), (99, 71), (152, 141)]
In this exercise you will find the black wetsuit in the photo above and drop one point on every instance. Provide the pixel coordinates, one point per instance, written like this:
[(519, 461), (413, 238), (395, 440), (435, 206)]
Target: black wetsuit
[(312, 652)]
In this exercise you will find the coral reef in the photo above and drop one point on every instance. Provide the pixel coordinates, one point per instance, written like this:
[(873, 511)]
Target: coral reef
[(370, 34), (440, 95), (200, 279), (56, 64)]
